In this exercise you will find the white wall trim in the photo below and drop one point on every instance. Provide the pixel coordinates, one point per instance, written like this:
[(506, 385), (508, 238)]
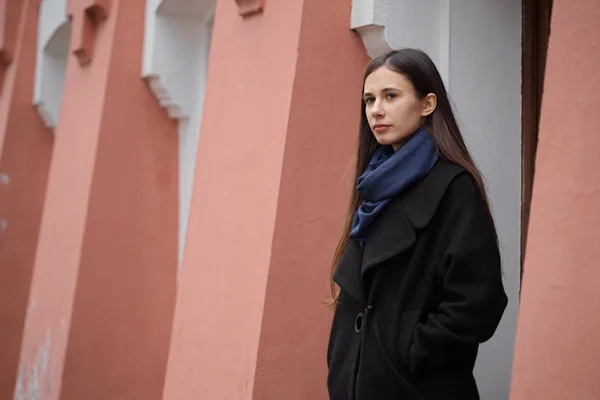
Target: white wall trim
[(176, 48), (392, 24), (54, 35)]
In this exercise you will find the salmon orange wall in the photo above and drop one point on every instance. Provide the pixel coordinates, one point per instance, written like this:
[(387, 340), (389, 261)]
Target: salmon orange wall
[(103, 292), (557, 348), (25, 151)]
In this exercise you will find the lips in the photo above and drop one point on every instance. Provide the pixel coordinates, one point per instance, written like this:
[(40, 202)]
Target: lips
[(380, 128)]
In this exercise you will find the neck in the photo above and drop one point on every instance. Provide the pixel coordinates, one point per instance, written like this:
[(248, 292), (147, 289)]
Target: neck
[(396, 146)]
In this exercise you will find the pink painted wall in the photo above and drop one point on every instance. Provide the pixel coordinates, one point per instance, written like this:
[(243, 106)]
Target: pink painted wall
[(313, 197), (103, 293), (278, 133), (10, 28), (63, 224), (558, 337), (234, 204), (24, 159), (10, 24)]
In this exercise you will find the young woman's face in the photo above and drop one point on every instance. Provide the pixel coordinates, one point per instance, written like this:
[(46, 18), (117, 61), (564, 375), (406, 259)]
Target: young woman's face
[(392, 107)]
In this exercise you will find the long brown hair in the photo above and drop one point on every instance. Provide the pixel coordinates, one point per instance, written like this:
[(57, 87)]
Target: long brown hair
[(420, 70)]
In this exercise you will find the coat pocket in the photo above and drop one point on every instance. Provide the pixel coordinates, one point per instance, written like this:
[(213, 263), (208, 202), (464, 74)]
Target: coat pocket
[(404, 337)]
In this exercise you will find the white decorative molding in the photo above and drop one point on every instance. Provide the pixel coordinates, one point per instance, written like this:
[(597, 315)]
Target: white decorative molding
[(392, 24), (175, 62), (54, 35), (368, 19), (374, 39)]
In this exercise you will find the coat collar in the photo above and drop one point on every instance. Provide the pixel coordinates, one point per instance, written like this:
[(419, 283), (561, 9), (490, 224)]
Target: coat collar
[(421, 202), (395, 230)]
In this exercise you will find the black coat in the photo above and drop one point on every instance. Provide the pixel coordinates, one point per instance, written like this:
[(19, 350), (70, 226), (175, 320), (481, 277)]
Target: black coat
[(419, 298)]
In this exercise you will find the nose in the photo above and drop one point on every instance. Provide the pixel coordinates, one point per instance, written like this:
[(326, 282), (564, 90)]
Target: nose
[(376, 110)]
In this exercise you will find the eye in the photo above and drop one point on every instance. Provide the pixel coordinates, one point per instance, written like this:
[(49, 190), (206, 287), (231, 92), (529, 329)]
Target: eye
[(369, 100), (391, 96)]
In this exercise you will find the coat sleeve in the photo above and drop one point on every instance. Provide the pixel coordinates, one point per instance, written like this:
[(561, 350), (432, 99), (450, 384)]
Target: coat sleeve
[(473, 297)]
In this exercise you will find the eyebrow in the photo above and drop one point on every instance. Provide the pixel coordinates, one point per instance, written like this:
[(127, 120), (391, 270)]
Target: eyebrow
[(387, 89)]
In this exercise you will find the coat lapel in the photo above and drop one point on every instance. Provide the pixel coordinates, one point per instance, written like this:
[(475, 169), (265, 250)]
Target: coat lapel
[(347, 274), (395, 230), (391, 234)]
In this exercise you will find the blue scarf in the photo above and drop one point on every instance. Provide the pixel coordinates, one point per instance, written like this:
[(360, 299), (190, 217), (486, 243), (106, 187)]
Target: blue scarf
[(388, 174)]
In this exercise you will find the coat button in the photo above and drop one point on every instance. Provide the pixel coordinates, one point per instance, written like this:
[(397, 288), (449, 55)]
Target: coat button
[(358, 322)]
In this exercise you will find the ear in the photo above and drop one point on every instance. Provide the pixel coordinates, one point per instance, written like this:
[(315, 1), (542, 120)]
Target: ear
[(428, 104)]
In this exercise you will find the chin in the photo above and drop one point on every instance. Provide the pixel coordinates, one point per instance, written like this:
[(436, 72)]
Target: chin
[(385, 141), (390, 140)]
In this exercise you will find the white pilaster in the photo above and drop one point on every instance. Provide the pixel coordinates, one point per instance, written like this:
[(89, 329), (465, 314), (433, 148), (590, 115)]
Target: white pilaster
[(54, 35), (175, 62)]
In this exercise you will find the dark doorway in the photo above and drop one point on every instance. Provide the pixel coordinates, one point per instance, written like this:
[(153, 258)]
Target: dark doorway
[(536, 34)]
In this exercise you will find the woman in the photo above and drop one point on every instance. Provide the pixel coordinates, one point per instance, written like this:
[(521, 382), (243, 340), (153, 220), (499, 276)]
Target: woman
[(416, 278)]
